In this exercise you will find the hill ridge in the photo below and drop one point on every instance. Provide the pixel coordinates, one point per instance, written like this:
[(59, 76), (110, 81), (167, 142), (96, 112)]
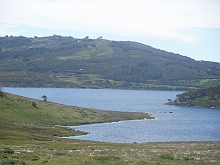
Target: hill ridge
[(57, 61)]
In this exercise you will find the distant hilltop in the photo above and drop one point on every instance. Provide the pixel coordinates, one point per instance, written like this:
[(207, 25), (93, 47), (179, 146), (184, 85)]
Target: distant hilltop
[(57, 61)]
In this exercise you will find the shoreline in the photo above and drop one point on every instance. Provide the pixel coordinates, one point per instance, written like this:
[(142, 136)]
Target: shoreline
[(30, 135)]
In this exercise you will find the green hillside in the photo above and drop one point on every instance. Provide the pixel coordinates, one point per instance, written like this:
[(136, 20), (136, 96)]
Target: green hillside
[(20, 120), (57, 61), (206, 97)]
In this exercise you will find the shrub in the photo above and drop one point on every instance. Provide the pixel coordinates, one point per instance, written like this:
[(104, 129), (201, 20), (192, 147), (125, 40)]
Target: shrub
[(167, 156), (35, 158), (8, 151)]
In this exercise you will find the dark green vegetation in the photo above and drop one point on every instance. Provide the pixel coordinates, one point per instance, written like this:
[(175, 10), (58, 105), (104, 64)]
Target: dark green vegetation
[(58, 61), (30, 136), (206, 97)]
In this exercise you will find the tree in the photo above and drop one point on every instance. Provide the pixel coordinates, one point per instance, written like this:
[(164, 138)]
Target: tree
[(86, 38), (44, 97)]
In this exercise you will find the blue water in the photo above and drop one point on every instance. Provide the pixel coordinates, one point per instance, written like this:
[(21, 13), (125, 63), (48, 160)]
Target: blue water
[(183, 124)]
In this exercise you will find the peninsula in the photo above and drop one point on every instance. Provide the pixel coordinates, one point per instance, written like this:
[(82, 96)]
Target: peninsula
[(205, 97)]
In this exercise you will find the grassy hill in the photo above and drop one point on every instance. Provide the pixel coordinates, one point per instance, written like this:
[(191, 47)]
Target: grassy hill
[(18, 114), (31, 135), (57, 61), (206, 97)]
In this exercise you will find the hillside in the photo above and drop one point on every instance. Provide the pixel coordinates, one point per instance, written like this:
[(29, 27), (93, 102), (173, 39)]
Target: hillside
[(19, 116), (206, 97), (57, 61)]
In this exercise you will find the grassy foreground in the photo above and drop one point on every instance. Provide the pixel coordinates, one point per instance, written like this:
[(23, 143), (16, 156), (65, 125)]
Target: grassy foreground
[(30, 135)]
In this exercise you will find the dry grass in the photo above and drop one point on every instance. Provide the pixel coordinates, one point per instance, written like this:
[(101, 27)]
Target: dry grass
[(66, 151)]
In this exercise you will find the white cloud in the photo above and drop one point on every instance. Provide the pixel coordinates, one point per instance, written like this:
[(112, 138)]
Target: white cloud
[(140, 18)]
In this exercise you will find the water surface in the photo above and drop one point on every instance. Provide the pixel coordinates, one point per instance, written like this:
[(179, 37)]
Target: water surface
[(171, 124)]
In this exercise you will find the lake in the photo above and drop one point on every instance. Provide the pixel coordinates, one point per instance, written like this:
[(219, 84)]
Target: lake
[(171, 123)]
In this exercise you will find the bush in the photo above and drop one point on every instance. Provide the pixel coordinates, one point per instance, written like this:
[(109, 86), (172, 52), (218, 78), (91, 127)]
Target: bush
[(167, 156), (8, 151), (35, 158)]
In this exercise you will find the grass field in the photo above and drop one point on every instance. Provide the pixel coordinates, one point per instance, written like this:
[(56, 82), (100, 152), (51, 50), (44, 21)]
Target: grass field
[(31, 135)]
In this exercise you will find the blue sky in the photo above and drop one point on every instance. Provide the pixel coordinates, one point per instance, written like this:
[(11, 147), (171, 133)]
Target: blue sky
[(187, 27)]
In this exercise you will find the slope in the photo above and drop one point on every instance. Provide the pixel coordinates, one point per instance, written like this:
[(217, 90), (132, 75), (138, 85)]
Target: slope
[(57, 61), (19, 119)]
